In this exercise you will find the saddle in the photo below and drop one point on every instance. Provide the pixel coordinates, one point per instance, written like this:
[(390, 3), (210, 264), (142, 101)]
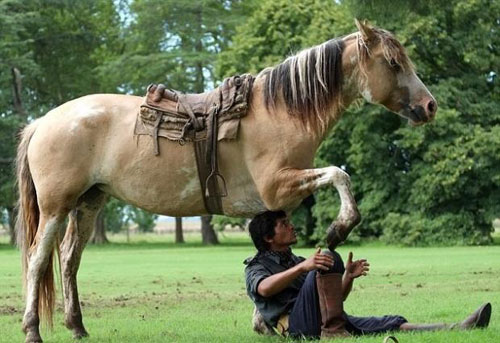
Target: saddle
[(203, 119)]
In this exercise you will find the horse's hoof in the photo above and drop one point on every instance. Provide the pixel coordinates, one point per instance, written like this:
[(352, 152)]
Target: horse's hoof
[(33, 337), (333, 236), (79, 334)]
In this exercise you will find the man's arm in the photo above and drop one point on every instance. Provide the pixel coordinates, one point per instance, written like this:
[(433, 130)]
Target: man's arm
[(276, 283), (353, 270), (347, 282)]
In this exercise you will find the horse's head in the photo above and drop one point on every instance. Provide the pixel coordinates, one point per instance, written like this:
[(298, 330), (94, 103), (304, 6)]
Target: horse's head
[(387, 76)]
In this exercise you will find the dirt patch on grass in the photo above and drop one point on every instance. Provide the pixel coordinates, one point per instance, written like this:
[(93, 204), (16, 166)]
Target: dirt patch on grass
[(9, 310)]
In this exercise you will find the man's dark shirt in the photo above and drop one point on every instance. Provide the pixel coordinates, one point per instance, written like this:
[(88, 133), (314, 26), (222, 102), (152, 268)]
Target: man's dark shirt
[(263, 265)]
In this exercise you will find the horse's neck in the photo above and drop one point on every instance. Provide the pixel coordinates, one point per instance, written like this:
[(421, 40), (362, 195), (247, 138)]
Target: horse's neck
[(297, 141), (350, 71), (350, 85)]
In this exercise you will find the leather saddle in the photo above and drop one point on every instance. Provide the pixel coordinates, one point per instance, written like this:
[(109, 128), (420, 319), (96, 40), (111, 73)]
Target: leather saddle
[(204, 119)]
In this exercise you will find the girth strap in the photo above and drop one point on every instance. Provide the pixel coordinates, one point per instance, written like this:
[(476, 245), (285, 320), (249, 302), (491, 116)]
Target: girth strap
[(213, 205), (207, 160)]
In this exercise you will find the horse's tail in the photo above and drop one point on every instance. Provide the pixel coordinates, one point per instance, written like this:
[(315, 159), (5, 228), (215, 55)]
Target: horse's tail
[(27, 221)]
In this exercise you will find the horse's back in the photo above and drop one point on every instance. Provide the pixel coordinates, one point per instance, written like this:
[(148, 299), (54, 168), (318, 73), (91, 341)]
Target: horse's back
[(90, 141), (77, 128)]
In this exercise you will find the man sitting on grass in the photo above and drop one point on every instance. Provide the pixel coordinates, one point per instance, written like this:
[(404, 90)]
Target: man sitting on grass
[(304, 297)]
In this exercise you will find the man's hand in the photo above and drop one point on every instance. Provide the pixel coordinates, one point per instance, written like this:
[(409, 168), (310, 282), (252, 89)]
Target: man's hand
[(355, 269), (317, 261)]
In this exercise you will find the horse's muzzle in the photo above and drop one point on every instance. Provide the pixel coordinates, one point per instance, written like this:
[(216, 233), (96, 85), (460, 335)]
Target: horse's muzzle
[(419, 115)]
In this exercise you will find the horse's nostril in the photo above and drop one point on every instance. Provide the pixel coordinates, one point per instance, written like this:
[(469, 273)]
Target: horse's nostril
[(431, 107)]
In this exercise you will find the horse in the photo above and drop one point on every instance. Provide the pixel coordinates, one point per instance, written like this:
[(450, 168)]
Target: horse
[(78, 154)]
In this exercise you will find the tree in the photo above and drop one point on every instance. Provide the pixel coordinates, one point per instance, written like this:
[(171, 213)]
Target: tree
[(172, 42), (15, 59), (99, 234), (208, 235), (220, 222), (144, 220), (179, 237)]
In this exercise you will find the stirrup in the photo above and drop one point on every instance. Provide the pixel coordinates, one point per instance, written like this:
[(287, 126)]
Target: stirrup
[(215, 177)]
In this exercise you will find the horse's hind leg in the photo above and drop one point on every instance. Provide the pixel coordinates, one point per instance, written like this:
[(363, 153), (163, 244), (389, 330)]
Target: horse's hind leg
[(39, 284), (80, 226)]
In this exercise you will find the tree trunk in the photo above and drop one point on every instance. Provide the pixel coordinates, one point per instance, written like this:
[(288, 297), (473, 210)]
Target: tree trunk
[(200, 79), (99, 234), (179, 237), (19, 109), (16, 92), (208, 235), (12, 213)]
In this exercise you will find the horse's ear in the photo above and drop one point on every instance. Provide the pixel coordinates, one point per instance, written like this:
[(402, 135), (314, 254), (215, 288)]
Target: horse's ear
[(366, 30)]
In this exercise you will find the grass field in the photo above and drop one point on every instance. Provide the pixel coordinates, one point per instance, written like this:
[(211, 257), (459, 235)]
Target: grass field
[(160, 292)]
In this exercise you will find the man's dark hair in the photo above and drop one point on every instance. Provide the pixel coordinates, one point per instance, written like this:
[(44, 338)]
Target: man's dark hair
[(262, 226)]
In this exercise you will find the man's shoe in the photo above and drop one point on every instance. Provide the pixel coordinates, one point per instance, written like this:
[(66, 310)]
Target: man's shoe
[(479, 319)]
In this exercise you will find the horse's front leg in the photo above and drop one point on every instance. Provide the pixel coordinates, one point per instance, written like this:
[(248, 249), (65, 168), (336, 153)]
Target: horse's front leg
[(299, 184)]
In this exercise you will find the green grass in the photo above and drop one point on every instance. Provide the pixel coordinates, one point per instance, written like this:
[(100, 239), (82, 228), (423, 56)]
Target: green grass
[(154, 291)]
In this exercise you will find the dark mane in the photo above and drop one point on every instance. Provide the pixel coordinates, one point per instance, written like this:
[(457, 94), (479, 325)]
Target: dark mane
[(310, 82)]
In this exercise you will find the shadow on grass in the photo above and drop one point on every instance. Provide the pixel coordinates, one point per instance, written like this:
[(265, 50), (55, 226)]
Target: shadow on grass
[(167, 245), (188, 245), (7, 246), (496, 239)]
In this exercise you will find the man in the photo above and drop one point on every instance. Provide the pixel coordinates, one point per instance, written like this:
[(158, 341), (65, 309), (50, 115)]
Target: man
[(304, 297)]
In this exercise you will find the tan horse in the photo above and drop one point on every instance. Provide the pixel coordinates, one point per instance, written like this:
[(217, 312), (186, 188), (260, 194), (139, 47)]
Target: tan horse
[(84, 150)]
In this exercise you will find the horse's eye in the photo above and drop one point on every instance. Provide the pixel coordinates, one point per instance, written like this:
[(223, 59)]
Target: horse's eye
[(394, 64)]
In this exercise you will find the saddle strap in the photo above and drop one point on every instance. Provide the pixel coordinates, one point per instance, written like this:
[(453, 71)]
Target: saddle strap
[(213, 205), (213, 187), (155, 134), (206, 157), (197, 123)]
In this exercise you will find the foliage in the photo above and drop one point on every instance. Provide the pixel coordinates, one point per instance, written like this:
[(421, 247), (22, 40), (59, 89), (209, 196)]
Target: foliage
[(172, 42), (145, 221), (14, 53), (220, 222), (277, 29), (115, 215), (118, 216), (8, 127)]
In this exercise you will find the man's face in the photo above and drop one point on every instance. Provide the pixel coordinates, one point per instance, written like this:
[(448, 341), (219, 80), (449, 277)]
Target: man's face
[(284, 234)]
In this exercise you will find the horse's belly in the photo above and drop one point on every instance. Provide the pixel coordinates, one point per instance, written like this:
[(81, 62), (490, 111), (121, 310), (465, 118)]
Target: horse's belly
[(166, 184), (169, 183)]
